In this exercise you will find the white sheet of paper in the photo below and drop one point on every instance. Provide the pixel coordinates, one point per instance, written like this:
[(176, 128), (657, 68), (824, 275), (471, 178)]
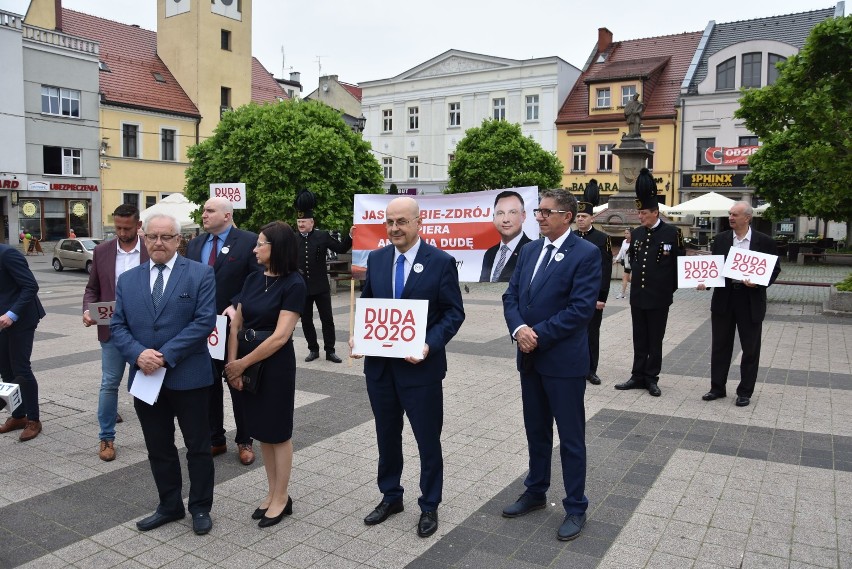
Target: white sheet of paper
[(390, 328), (216, 339), (101, 312), (742, 264), (700, 269), (147, 387)]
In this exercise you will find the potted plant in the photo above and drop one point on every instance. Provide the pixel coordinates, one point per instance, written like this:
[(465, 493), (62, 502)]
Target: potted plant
[(840, 296)]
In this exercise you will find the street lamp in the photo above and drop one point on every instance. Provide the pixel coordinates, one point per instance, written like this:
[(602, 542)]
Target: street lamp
[(360, 123)]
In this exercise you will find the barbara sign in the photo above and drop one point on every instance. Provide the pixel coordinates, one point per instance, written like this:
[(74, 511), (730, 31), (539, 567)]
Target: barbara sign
[(389, 327), (704, 269), (743, 264), (234, 193)]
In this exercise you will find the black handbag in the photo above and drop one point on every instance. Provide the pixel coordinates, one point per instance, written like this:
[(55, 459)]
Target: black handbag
[(248, 340), (251, 377)]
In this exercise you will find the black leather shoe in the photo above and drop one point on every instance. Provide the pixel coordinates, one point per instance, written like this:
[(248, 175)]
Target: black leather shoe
[(593, 378), (630, 384), (332, 357), (312, 356), (654, 390), (710, 396), (258, 513), (266, 522), (383, 511), (156, 520), (201, 523), (743, 401), (428, 524), (571, 527), (524, 505)]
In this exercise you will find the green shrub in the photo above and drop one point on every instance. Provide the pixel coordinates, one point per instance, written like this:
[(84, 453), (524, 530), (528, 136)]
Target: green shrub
[(846, 284)]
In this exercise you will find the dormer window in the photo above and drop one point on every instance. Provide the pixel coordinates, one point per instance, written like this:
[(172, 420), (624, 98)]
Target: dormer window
[(627, 93), (726, 74), (603, 99)]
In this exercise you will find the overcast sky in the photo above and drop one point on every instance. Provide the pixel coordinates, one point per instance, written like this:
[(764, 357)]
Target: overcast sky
[(364, 40)]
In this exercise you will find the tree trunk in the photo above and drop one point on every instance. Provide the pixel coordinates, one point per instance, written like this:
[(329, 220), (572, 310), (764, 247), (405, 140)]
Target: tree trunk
[(848, 233)]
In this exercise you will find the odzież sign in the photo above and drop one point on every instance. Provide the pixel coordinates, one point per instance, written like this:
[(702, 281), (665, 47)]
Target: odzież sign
[(235, 193), (389, 327), (700, 269), (743, 264)]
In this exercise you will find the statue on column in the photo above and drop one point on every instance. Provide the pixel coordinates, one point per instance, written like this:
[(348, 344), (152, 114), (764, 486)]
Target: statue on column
[(633, 113)]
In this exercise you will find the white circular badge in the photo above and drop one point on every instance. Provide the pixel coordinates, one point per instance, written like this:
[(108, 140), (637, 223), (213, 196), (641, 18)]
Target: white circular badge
[(418, 268), (225, 250), (558, 257)]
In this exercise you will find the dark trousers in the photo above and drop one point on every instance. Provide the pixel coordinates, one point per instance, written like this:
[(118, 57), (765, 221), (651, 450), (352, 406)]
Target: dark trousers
[(649, 327), (424, 406), (217, 410), (323, 302), (546, 398), (158, 428), (737, 317), (595, 340), (16, 348)]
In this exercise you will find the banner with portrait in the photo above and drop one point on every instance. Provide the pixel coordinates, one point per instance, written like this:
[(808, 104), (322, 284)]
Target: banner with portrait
[(470, 227)]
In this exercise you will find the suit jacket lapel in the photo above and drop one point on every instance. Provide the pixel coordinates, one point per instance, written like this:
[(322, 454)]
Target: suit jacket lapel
[(145, 285), (526, 277), (554, 263), (229, 243), (422, 258), (174, 277)]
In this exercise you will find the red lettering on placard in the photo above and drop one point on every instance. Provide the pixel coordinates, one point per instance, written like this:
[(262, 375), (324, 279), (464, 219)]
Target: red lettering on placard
[(390, 324)]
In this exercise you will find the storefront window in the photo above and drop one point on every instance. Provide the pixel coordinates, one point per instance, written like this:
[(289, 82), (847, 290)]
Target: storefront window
[(78, 215), (29, 219), (55, 221)]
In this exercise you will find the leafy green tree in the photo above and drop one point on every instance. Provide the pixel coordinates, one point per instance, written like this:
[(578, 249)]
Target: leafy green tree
[(804, 122), (498, 155), (277, 149)]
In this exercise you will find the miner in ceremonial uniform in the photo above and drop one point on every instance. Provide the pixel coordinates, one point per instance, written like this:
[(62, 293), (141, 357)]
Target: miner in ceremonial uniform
[(313, 245), (654, 249), (585, 230)]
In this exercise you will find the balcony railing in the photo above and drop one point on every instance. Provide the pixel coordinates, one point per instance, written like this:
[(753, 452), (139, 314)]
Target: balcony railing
[(59, 39), (10, 20)]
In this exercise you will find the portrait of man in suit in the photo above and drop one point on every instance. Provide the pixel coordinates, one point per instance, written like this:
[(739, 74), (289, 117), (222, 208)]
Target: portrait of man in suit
[(230, 251), (509, 216), (740, 307), (548, 305), (409, 268), (20, 312), (110, 260), (164, 311)]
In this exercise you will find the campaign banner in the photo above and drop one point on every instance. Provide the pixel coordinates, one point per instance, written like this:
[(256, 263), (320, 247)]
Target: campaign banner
[(216, 339), (729, 156), (743, 264), (700, 269), (390, 327), (466, 226), (235, 193), (101, 312)]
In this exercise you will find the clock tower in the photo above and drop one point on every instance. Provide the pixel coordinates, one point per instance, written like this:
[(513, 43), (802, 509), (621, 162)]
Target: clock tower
[(206, 44)]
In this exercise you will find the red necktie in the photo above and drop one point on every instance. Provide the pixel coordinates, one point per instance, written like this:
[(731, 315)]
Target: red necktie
[(213, 251)]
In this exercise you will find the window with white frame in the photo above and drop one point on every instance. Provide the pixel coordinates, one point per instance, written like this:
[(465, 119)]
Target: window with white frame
[(455, 114), (387, 120), (627, 93), (649, 161), (59, 101), (602, 100), (578, 158), (62, 161), (413, 118), (387, 167), (413, 167), (130, 140), (532, 107), (167, 144), (499, 109), (605, 157)]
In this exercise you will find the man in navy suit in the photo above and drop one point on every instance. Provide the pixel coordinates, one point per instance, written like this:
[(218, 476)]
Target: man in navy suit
[(411, 269), (230, 251), (738, 306), (111, 259), (20, 312), (509, 218), (548, 306), (164, 311)]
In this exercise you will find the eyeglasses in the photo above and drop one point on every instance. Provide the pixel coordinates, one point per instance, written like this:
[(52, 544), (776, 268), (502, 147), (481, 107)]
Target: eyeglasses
[(164, 238), (545, 213), (262, 243), (510, 213), (400, 222)]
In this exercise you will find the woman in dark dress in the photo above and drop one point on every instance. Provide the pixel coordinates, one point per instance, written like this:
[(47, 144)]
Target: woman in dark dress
[(262, 331)]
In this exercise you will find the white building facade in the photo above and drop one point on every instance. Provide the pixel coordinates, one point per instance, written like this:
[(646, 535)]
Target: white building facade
[(415, 120)]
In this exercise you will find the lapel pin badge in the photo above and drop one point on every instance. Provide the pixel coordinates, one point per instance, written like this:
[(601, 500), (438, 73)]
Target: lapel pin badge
[(418, 268), (558, 257), (225, 250)]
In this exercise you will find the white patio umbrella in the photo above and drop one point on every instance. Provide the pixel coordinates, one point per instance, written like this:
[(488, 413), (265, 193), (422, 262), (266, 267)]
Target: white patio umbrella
[(175, 205), (710, 204), (760, 210)]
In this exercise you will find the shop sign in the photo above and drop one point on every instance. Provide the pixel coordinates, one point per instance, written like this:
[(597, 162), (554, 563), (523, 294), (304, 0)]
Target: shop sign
[(75, 187), (713, 180), (38, 186), (29, 208), (603, 186), (9, 184), (729, 156)]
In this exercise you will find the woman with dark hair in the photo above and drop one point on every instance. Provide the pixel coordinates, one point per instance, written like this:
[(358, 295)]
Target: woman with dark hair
[(262, 332)]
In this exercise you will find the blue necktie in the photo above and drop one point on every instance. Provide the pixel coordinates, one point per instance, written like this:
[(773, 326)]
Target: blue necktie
[(399, 280), (542, 267), (157, 293)]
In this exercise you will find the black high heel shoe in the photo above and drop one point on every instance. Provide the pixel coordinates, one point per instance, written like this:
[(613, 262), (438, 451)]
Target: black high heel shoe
[(267, 522), (258, 513)]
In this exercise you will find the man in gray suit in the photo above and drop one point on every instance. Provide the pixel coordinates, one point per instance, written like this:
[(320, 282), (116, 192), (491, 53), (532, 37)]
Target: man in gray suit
[(164, 311)]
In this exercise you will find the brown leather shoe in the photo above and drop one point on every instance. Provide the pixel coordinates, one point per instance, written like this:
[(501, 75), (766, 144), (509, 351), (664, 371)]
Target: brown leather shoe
[(31, 431), (216, 450), (107, 451), (246, 454), (13, 424)]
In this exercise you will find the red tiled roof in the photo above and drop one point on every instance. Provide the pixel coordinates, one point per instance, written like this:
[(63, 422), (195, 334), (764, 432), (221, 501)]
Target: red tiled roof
[(131, 54), (353, 90), (662, 61), (264, 87)]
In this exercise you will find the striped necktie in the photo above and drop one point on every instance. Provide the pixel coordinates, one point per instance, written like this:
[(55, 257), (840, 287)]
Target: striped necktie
[(157, 293)]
